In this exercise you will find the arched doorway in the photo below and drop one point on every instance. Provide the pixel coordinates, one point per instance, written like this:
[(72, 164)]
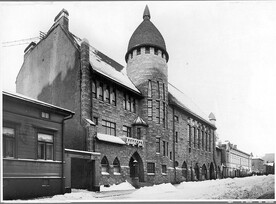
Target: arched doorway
[(204, 172), (184, 170), (212, 171), (196, 168), (136, 167)]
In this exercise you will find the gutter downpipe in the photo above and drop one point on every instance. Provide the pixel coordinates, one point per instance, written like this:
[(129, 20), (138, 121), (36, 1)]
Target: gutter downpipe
[(63, 149)]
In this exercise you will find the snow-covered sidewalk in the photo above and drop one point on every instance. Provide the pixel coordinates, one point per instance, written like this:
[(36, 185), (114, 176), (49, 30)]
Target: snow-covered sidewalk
[(223, 189)]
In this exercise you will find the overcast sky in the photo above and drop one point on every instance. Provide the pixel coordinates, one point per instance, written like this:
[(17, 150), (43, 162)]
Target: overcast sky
[(222, 54)]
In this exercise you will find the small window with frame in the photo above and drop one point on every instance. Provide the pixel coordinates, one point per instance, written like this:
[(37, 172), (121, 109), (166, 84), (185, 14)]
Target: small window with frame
[(8, 142), (45, 146)]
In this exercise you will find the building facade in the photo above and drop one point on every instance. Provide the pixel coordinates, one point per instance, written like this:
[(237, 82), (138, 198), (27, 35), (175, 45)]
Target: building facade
[(257, 166), (235, 162), (32, 147), (145, 130)]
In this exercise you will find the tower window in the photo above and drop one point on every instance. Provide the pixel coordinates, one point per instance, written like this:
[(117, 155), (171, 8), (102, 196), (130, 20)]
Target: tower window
[(149, 89), (147, 50), (155, 51), (158, 90), (139, 133), (150, 109), (164, 93), (158, 112), (138, 51)]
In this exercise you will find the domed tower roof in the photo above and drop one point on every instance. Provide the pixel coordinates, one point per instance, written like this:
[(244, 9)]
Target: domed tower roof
[(212, 116), (146, 34)]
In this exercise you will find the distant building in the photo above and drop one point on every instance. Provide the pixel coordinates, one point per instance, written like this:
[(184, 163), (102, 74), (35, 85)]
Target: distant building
[(269, 168), (235, 162), (257, 166), (269, 158), (145, 130), (33, 147), (219, 161)]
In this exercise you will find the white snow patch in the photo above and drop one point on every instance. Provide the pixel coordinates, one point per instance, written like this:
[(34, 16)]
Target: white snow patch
[(122, 186), (110, 138)]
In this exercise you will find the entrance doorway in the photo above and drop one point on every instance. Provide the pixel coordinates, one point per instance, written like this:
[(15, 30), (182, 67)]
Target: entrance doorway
[(212, 171), (81, 173), (136, 167)]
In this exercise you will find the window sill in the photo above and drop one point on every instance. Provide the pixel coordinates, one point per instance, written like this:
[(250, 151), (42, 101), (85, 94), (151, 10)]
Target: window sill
[(164, 174), (151, 174), (117, 174), (105, 173)]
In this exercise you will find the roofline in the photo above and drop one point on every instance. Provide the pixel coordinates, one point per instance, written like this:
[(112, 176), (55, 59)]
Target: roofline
[(144, 45), (36, 102), (192, 113)]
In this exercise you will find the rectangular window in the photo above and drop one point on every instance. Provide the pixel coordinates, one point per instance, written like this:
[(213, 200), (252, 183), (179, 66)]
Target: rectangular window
[(158, 145), (198, 136), (149, 109), (167, 152), (176, 118), (206, 139), (164, 169), (210, 143), (164, 92), (45, 115), (151, 167), (109, 127), (194, 137), (170, 155), (158, 90), (176, 137), (164, 148), (147, 50), (100, 91), (202, 134), (164, 114), (113, 97), (94, 90), (133, 104), (190, 135), (139, 133), (138, 51), (128, 103), (149, 89), (8, 142), (107, 94), (127, 131), (158, 112), (45, 146), (124, 101)]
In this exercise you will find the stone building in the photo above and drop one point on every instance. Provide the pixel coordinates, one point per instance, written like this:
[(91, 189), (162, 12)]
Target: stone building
[(33, 144), (145, 129), (257, 166), (235, 162)]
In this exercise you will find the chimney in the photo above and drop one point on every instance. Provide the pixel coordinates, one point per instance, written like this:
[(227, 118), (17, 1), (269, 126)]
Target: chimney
[(212, 118), (62, 19), (28, 49)]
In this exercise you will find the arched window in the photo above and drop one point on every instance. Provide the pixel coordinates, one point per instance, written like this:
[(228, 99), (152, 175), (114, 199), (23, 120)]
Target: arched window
[(116, 166), (104, 165), (184, 170)]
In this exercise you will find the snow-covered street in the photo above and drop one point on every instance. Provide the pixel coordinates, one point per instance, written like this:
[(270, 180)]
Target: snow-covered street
[(223, 189)]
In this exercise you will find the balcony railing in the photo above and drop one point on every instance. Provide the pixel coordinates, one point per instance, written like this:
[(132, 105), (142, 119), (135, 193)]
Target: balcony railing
[(133, 141)]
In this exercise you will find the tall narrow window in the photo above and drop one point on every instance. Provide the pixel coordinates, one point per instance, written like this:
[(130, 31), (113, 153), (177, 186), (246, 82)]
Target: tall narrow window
[(94, 90), (134, 105), (116, 166), (125, 101), (45, 149), (127, 131), (199, 138), (113, 96), (128, 103), (158, 145), (158, 112), (149, 109), (149, 89), (158, 90), (164, 169), (210, 144), (194, 137), (164, 92), (100, 91), (202, 134), (104, 165), (107, 94), (176, 137), (190, 135), (139, 133), (167, 152), (206, 141), (164, 114), (8, 142), (164, 148)]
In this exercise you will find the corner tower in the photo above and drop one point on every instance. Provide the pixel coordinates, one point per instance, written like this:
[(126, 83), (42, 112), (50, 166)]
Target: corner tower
[(147, 59)]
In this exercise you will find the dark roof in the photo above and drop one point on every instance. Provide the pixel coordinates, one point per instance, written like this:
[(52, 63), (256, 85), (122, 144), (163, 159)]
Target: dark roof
[(146, 34)]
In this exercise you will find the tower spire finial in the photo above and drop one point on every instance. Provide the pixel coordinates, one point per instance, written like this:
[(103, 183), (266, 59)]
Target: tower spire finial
[(146, 13)]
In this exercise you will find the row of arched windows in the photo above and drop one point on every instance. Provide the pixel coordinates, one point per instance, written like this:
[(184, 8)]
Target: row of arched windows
[(105, 168)]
